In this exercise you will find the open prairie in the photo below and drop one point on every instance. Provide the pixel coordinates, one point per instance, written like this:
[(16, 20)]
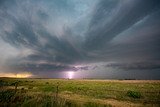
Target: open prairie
[(79, 93)]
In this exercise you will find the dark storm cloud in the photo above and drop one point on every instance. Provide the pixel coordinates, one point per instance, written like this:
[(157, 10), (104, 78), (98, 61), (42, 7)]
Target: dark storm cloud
[(127, 32), (57, 35), (141, 42), (109, 21), (42, 67), (25, 34), (135, 66), (30, 33)]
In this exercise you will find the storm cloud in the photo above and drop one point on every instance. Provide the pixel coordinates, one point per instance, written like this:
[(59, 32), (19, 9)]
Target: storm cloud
[(79, 35)]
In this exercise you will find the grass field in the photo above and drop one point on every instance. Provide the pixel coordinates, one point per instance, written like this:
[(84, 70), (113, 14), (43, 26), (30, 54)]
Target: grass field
[(78, 93)]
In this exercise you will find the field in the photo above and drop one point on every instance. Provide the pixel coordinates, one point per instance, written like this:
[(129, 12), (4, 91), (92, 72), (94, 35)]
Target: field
[(78, 93)]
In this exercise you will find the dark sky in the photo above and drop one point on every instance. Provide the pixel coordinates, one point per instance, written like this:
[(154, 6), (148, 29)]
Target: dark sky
[(112, 39)]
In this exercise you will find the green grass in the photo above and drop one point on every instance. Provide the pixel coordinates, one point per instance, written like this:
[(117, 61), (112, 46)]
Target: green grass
[(77, 93), (134, 94)]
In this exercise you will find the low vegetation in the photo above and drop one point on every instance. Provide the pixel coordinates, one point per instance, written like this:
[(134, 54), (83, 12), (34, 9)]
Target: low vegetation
[(134, 94), (78, 93)]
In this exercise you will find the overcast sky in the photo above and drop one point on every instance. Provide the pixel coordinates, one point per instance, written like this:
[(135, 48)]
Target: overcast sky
[(117, 39)]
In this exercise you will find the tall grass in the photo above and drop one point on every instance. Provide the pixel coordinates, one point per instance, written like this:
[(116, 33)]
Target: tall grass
[(11, 99)]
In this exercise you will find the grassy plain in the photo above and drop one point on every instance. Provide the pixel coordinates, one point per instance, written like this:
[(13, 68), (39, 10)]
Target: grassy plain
[(78, 93)]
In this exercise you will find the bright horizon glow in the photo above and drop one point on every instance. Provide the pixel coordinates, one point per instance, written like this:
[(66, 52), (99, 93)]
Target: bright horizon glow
[(70, 74), (17, 75)]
